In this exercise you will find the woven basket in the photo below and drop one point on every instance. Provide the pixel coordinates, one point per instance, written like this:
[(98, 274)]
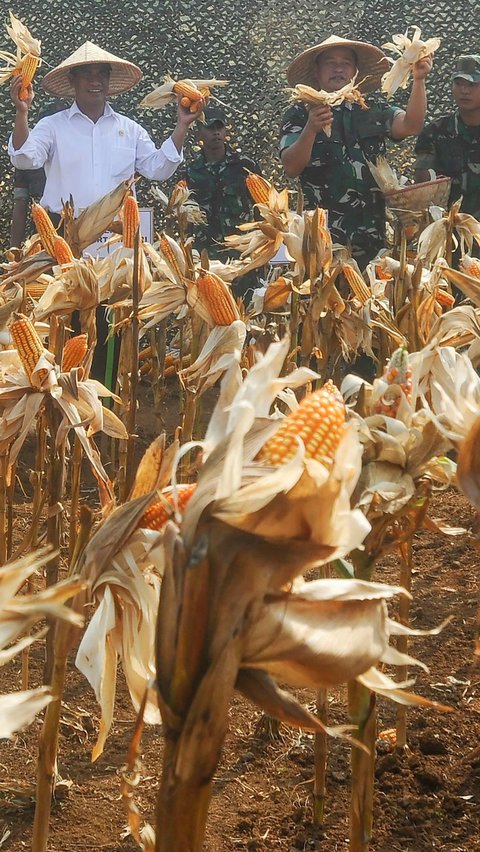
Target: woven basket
[(419, 196)]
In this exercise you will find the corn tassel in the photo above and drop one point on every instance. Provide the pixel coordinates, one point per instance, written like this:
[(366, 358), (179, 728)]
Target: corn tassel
[(258, 187), (29, 347), (216, 297), (131, 221), (157, 515), (319, 421), (45, 228), (62, 251), (357, 284), (29, 66), (74, 352)]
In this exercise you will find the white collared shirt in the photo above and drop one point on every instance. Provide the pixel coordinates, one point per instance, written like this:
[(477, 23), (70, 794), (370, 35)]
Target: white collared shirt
[(87, 159)]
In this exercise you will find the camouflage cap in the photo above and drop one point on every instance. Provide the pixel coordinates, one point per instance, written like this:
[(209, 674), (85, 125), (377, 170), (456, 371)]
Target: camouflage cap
[(468, 68), (213, 114)]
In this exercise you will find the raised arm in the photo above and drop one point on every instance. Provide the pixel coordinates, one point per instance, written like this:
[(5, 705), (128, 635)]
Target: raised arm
[(20, 127), (410, 121)]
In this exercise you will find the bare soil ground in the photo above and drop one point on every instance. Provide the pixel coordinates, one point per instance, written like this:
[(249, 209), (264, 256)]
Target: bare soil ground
[(427, 798)]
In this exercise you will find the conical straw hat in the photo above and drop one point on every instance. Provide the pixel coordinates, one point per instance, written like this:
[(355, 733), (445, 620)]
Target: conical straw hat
[(371, 63), (124, 74)]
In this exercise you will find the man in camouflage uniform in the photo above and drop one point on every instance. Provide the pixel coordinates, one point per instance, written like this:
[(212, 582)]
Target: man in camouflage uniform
[(451, 145), (217, 179), (333, 170)]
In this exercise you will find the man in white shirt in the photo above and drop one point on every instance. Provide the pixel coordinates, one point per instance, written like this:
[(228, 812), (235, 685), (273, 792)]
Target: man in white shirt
[(88, 149)]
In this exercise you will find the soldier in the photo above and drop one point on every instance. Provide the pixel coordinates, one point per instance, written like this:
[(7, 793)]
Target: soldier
[(451, 145), (217, 178), (333, 170)]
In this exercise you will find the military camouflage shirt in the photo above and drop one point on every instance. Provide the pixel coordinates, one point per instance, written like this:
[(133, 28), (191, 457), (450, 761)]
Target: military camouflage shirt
[(337, 176), (220, 190), (452, 148)]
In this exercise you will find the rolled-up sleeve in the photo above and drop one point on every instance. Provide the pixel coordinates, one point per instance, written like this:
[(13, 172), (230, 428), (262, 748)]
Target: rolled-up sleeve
[(36, 150), (156, 163)]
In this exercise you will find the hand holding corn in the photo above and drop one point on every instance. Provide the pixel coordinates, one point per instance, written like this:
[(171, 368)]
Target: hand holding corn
[(17, 88), (320, 118)]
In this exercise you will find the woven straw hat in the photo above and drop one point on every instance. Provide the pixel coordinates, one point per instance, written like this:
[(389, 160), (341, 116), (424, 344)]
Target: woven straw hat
[(371, 63), (123, 77)]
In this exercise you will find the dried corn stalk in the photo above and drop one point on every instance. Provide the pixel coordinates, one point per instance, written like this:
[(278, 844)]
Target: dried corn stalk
[(410, 51)]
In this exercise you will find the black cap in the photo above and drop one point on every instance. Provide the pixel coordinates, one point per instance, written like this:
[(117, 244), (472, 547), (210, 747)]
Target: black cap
[(213, 114)]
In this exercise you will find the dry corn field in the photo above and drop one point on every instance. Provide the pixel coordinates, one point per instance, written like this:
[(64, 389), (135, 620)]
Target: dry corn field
[(239, 582)]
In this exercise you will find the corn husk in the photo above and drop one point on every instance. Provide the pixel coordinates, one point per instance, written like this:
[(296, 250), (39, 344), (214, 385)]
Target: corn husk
[(409, 51)]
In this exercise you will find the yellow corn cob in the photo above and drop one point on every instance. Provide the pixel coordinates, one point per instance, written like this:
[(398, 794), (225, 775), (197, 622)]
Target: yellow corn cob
[(169, 255), (277, 293), (319, 421), (397, 372), (357, 284), (74, 352), (205, 93), (258, 187), (157, 515), (445, 298), (36, 289), (29, 66), (131, 221), (146, 478), (471, 266), (62, 251), (45, 229), (186, 89), (29, 347), (216, 297)]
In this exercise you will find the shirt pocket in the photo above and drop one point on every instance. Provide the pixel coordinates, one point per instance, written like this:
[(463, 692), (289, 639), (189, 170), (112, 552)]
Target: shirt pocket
[(123, 162)]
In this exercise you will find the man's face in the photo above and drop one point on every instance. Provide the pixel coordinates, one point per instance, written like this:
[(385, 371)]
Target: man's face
[(91, 83), (335, 68), (212, 136), (466, 95)]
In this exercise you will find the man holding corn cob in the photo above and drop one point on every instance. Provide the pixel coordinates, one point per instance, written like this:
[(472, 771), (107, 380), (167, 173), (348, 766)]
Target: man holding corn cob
[(88, 149), (451, 145), (329, 148)]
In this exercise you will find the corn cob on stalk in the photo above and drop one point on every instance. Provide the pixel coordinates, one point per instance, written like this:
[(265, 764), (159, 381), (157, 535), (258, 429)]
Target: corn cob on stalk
[(146, 478), (36, 289), (397, 372), (258, 187), (277, 293), (74, 352), (131, 221), (444, 298), (62, 251), (216, 297), (470, 265), (29, 347), (319, 421), (357, 284), (45, 228), (157, 515), (173, 256)]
